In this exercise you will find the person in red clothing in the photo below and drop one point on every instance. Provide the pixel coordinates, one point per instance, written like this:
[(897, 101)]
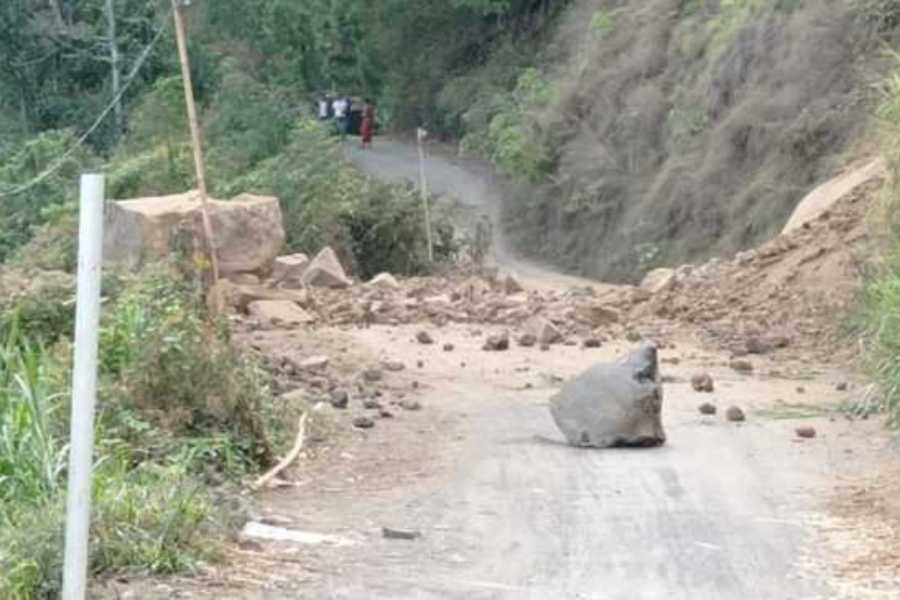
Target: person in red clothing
[(367, 129)]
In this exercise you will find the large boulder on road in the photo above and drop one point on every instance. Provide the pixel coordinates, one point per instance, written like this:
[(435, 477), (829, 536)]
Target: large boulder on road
[(247, 231), (613, 404)]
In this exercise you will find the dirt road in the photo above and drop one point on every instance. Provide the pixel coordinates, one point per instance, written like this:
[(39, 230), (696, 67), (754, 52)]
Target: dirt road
[(724, 511)]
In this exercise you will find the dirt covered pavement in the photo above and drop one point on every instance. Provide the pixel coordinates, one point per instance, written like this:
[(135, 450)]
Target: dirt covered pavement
[(444, 476)]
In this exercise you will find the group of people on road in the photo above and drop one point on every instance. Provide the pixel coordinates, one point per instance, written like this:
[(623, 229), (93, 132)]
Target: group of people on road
[(339, 110)]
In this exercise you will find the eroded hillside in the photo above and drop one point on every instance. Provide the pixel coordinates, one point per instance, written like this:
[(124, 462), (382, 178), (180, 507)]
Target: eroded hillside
[(683, 129)]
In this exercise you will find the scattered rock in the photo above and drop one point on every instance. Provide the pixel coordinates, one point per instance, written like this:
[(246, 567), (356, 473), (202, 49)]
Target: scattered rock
[(806, 431), (527, 340), (412, 405), (371, 404), (393, 365), (735, 414), (511, 284), (545, 347), (325, 270), (545, 331), (741, 366), (363, 423), (385, 414), (801, 389), (279, 313), (420, 364), (703, 382), (757, 345), (340, 398), (497, 342), (373, 375), (841, 387), (289, 269), (243, 279), (659, 280), (448, 347), (591, 342), (613, 404), (597, 315), (314, 363), (633, 336), (423, 337), (384, 281), (400, 534), (707, 408)]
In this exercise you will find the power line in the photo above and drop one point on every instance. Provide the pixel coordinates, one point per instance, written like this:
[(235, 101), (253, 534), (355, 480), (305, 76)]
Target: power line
[(58, 163)]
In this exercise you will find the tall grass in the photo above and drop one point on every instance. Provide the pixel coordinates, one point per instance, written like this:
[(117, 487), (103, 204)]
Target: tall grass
[(31, 455), (880, 314), (179, 410)]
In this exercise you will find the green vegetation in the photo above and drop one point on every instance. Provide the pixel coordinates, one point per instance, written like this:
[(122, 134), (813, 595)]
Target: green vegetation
[(880, 315), (180, 411)]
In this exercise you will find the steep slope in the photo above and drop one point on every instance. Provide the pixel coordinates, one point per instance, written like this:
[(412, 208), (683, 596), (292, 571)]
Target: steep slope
[(687, 129)]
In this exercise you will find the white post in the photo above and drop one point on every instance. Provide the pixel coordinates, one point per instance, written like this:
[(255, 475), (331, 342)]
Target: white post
[(423, 186), (84, 387)]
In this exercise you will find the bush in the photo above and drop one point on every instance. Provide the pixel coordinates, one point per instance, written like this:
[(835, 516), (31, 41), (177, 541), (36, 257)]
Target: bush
[(327, 202), (179, 410), (22, 213), (879, 317)]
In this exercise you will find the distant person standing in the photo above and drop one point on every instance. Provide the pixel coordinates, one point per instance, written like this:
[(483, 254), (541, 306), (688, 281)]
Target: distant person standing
[(324, 108), (367, 129), (341, 108)]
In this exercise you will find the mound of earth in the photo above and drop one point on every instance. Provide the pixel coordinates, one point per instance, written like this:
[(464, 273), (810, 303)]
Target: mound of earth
[(792, 289)]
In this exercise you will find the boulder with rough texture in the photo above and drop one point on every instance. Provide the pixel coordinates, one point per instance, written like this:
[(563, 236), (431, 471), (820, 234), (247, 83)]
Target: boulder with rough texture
[(659, 280), (289, 269), (279, 313), (247, 231), (384, 281), (545, 331), (613, 404), (511, 284), (325, 270), (226, 296)]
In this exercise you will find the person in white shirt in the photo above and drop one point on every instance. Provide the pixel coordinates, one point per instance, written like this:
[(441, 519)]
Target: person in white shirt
[(324, 108), (341, 108)]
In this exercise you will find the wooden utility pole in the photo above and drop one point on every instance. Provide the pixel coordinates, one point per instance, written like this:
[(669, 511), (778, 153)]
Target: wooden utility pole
[(181, 38), (421, 134), (114, 64)]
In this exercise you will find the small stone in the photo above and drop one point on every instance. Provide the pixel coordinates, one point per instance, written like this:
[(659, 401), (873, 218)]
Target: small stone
[(497, 343), (423, 337), (545, 347), (411, 405), (449, 347), (420, 364), (806, 431), (591, 342), (741, 366), (363, 423), (735, 414), (371, 404), (570, 343), (756, 345), (801, 389), (841, 387), (633, 337), (340, 398), (314, 363), (373, 375), (702, 382), (400, 534), (527, 340), (385, 414), (415, 385), (707, 408), (393, 365)]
